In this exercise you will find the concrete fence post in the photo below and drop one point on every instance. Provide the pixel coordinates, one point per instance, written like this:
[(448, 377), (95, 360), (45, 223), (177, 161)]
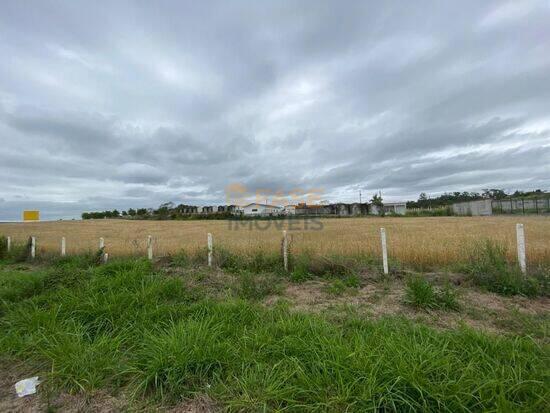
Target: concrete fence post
[(520, 235), (33, 247), (101, 243), (210, 248), (150, 247), (384, 250), (285, 251), (8, 242), (105, 257), (63, 246)]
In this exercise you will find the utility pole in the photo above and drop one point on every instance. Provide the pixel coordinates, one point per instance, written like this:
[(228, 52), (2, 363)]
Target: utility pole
[(359, 196)]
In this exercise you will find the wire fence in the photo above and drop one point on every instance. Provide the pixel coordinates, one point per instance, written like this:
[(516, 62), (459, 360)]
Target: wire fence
[(521, 206)]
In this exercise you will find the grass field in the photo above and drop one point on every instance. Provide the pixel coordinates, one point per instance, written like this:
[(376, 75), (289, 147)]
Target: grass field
[(420, 242), (137, 336)]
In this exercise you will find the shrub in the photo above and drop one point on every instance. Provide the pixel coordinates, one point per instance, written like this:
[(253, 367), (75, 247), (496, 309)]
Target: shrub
[(421, 294)]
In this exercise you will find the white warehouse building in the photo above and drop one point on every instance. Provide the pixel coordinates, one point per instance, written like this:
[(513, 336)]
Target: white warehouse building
[(261, 209)]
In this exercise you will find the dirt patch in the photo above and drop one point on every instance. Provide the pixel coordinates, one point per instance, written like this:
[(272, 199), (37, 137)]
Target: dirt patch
[(12, 371), (10, 374), (200, 404), (494, 302), (99, 402), (377, 298), (307, 295)]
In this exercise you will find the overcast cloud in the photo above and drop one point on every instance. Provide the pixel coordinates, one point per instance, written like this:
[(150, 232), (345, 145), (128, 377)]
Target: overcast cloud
[(118, 104)]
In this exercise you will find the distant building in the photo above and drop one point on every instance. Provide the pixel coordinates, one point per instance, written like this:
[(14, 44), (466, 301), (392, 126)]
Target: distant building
[(261, 209), (397, 208), (358, 209), (289, 210), (187, 209), (474, 208), (339, 209), (304, 209)]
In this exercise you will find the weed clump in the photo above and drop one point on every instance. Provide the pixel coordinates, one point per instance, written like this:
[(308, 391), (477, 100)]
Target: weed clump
[(255, 287), (420, 293), (339, 286), (489, 268)]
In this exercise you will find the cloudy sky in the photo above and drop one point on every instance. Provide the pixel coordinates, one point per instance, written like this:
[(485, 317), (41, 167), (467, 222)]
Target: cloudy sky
[(114, 104)]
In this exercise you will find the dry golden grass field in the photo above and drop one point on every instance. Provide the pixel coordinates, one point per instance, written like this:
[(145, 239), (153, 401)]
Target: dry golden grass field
[(428, 241)]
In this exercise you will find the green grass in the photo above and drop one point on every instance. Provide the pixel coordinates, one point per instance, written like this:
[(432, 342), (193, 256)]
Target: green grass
[(340, 286), (255, 287), (489, 269), (524, 324), (420, 293), (123, 327)]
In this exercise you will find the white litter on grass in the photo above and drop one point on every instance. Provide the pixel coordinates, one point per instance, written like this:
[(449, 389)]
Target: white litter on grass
[(26, 387)]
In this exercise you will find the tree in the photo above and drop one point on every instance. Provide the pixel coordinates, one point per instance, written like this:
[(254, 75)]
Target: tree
[(423, 200), (494, 194), (164, 209), (377, 201), (132, 212)]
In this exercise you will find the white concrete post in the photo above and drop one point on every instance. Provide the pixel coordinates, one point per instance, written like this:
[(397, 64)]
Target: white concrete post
[(520, 235), (150, 247), (33, 247), (105, 258), (285, 251), (384, 250), (63, 243), (210, 246), (9, 243), (101, 243)]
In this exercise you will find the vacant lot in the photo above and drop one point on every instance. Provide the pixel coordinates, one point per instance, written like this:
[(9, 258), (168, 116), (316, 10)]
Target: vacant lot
[(133, 335), (436, 241)]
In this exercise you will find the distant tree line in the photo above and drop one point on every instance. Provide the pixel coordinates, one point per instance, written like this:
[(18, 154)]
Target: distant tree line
[(140, 212), (166, 210), (449, 198)]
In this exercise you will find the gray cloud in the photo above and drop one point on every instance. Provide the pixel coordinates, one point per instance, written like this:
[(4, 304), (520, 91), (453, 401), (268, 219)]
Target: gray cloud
[(129, 105)]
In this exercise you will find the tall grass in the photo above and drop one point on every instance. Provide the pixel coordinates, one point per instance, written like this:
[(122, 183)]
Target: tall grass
[(490, 269), (122, 326), (3, 247)]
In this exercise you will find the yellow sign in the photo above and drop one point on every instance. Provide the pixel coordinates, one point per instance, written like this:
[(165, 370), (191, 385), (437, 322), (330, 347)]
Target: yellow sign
[(31, 215)]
